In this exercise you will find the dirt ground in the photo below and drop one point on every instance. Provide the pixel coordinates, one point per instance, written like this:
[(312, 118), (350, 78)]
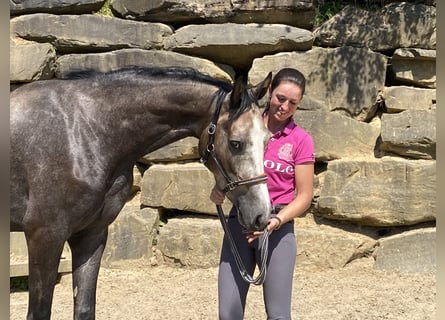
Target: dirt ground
[(132, 290)]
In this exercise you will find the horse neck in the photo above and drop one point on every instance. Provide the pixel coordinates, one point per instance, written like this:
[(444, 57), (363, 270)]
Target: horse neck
[(160, 115)]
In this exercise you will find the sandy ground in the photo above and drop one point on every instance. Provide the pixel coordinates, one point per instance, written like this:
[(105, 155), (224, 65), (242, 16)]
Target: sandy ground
[(131, 290)]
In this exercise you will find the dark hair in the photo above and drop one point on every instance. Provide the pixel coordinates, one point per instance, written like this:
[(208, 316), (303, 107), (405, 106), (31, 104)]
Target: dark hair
[(291, 75)]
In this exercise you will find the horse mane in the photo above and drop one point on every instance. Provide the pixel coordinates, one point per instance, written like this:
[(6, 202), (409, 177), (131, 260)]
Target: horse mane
[(178, 73)]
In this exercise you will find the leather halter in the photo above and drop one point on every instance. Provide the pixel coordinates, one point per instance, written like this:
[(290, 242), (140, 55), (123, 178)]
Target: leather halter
[(231, 185), (210, 150)]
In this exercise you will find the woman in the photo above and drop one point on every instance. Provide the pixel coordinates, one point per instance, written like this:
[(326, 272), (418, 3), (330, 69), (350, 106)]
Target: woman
[(289, 164)]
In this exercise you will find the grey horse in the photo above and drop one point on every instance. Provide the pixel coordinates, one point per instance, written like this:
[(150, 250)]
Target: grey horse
[(74, 143)]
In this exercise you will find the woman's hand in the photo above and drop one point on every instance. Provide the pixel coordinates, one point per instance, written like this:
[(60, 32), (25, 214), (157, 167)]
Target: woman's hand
[(272, 224), (217, 195)]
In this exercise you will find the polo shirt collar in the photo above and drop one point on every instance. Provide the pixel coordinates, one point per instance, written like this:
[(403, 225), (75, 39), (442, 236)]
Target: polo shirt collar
[(289, 127), (286, 130)]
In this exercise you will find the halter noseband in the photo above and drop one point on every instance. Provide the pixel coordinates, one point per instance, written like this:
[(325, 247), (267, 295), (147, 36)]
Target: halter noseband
[(210, 150)]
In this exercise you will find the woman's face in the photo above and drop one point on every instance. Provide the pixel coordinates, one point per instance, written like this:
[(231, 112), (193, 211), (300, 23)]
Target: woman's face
[(284, 101)]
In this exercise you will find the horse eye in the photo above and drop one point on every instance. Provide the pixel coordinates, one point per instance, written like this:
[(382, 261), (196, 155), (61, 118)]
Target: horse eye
[(235, 144)]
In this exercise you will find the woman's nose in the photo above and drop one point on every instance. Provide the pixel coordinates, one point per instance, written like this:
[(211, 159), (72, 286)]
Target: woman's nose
[(285, 104)]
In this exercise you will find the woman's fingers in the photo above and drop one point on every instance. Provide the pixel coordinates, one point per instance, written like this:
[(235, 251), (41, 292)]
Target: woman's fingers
[(217, 195)]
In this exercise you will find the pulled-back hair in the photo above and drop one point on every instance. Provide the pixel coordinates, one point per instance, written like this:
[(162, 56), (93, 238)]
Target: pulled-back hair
[(289, 74)]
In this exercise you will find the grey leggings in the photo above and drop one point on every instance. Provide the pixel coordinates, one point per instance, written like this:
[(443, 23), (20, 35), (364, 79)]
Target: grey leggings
[(277, 288)]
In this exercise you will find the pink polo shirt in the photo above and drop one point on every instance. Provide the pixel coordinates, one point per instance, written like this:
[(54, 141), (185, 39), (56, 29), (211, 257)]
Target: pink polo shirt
[(285, 149)]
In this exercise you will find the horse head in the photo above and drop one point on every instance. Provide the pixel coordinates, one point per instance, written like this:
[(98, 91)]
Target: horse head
[(236, 143)]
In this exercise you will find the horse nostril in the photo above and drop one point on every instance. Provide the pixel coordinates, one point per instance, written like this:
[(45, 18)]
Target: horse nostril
[(260, 222)]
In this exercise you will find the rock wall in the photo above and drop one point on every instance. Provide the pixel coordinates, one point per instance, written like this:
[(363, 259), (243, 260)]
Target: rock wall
[(370, 105)]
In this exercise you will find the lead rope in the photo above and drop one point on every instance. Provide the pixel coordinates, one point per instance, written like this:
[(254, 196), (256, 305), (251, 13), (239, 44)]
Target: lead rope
[(264, 248)]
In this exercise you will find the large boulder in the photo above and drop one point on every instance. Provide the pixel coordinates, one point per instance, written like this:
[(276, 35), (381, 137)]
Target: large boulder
[(327, 130), (416, 67), (118, 59), (30, 61), (297, 13), (345, 79), (408, 252), (54, 6), (238, 44), (401, 98), (397, 25), (87, 33), (321, 246), (181, 150), (410, 134), (184, 187), (132, 234), (381, 192), (190, 241)]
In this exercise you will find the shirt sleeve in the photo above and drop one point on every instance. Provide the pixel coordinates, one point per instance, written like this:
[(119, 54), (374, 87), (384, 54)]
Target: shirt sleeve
[(305, 152)]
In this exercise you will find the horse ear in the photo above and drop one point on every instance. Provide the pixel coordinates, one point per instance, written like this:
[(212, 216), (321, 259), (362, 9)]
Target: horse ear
[(260, 89), (237, 90)]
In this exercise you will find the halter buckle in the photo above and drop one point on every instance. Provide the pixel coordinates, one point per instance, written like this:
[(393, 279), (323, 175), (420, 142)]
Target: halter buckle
[(230, 186), (212, 129)]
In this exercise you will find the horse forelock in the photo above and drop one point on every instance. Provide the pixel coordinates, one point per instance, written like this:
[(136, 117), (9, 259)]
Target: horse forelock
[(246, 102)]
